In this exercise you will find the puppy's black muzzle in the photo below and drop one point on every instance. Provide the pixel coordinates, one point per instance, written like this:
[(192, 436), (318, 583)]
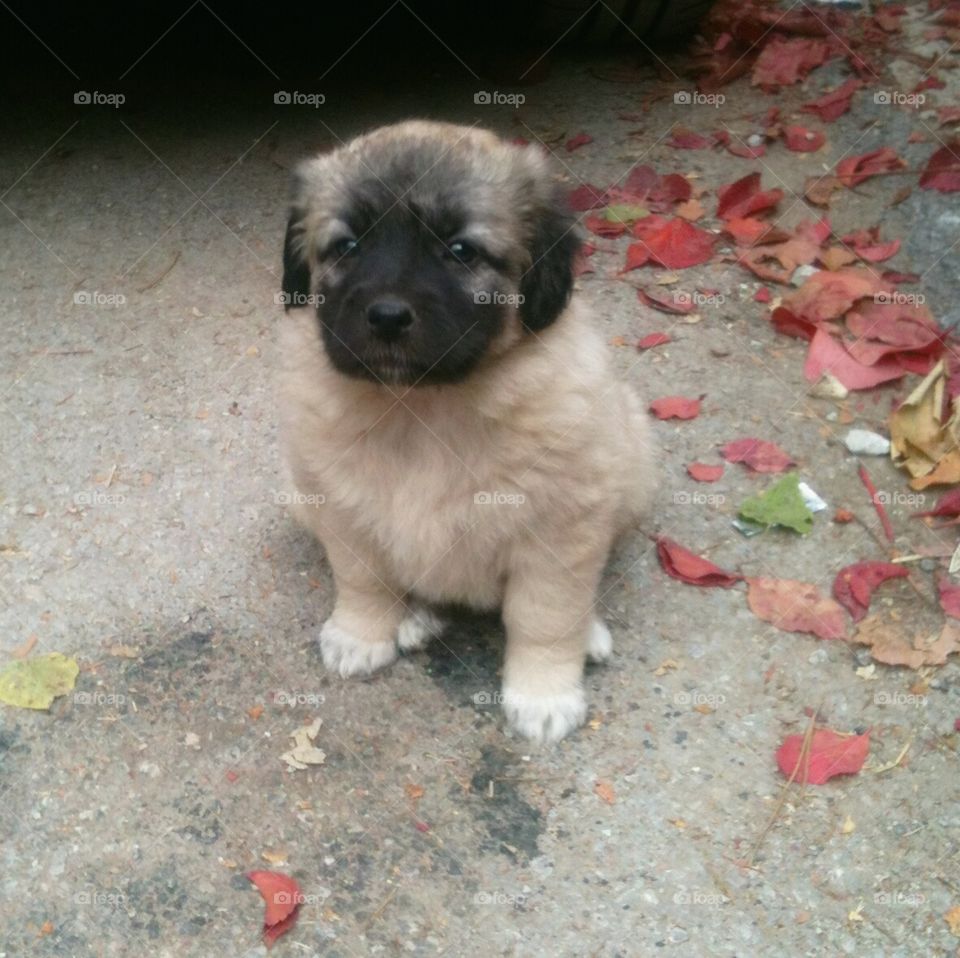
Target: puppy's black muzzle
[(389, 319)]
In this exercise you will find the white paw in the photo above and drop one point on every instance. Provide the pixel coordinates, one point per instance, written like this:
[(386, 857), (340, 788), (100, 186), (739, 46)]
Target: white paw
[(348, 655), (418, 628), (545, 718), (599, 642)]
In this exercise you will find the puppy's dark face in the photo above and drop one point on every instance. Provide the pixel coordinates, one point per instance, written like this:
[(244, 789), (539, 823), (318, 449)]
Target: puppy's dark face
[(421, 246)]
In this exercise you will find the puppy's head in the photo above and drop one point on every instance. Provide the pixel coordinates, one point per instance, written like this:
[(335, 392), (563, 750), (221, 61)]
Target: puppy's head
[(425, 248)]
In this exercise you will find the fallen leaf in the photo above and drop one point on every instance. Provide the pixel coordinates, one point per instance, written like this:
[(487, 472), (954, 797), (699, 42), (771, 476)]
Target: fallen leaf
[(942, 171), (757, 454), (575, 142), (780, 505), (820, 189), (676, 407), (35, 683), (674, 244), (889, 645), (952, 918), (587, 197), (651, 340), (843, 516), (829, 356), (282, 896), (413, 792), (744, 197), (855, 169), (680, 563), (834, 104), (948, 506), (625, 213), (829, 754), (783, 62), (604, 791), (919, 438), (801, 140), (23, 650), (679, 304), (855, 584), (703, 472), (681, 139), (304, 753), (949, 595), (796, 607)]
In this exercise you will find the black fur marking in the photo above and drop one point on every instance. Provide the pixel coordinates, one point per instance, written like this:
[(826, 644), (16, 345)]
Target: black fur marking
[(296, 271), (548, 283)]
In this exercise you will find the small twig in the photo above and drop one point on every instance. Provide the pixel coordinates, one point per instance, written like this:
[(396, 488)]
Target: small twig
[(162, 276)]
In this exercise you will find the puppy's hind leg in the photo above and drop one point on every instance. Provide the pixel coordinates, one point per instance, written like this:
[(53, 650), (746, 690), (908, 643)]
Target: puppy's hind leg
[(418, 628)]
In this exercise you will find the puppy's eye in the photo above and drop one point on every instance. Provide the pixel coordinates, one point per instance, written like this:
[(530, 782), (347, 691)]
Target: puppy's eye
[(344, 247), (462, 251)]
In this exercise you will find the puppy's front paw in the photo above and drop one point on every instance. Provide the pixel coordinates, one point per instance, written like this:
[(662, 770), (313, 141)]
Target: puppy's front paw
[(348, 655), (599, 642), (545, 718), (418, 628)]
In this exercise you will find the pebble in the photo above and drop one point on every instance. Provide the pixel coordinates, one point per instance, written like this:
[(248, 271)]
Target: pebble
[(866, 443), (801, 274)]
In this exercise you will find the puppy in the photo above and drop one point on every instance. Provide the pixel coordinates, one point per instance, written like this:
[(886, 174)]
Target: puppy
[(448, 413)]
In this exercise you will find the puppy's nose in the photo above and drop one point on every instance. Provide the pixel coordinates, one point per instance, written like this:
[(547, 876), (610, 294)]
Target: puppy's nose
[(389, 318)]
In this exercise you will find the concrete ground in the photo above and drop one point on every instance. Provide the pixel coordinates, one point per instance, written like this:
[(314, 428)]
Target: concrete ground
[(143, 531)]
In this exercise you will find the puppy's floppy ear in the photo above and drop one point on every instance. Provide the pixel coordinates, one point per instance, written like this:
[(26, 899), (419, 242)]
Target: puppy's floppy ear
[(296, 269), (548, 282)]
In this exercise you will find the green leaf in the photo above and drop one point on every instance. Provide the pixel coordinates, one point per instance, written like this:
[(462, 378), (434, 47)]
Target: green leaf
[(781, 505), (625, 213), (35, 683)]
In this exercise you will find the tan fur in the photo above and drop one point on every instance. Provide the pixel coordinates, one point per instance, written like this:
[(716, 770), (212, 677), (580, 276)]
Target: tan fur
[(396, 479)]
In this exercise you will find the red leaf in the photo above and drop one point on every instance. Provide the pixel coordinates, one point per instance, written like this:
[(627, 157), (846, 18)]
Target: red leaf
[(784, 62), (834, 104), (581, 139), (680, 563), (675, 407), (866, 244), (829, 754), (877, 502), (743, 197), (674, 244), (587, 197), (949, 597), (788, 323), (948, 506), (942, 171), (854, 584), (601, 226), (687, 140), (703, 472), (762, 295), (801, 140), (747, 231), (759, 455), (827, 355), (653, 339), (283, 896), (679, 305), (856, 169), (829, 294), (796, 607)]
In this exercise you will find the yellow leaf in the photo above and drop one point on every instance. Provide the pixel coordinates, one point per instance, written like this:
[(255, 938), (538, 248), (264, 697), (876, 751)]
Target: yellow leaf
[(35, 683)]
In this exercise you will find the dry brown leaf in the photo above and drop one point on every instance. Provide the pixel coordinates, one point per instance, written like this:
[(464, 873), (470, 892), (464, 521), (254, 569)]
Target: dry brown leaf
[(837, 257), (691, 210), (414, 792), (919, 439), (889, 645), (604, 790), (819, 189), (952, 918)]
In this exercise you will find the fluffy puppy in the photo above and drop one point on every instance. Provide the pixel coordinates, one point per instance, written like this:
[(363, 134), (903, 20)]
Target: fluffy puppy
[(449, 416)]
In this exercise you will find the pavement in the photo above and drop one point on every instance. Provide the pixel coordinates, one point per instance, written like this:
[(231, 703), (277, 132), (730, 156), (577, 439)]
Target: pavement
[(144, 533)]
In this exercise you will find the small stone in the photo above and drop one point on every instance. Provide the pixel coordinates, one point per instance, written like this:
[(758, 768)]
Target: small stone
[(865, 443), (801, 274), (928, 565)]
